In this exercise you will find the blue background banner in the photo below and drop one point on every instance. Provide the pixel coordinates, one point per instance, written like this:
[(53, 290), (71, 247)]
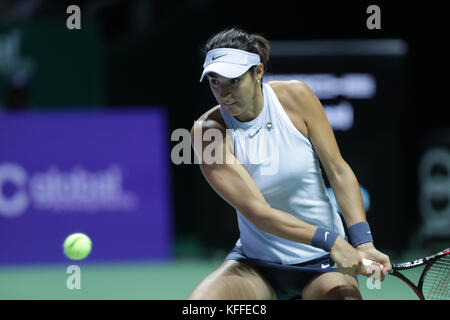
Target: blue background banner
[(106, 175)]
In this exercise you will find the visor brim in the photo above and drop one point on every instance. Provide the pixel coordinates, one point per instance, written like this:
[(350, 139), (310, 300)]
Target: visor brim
[(226, 70)]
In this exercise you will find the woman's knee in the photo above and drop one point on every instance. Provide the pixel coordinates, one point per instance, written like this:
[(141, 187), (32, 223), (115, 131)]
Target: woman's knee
[(233, 280), (332, 286), (342, 292)]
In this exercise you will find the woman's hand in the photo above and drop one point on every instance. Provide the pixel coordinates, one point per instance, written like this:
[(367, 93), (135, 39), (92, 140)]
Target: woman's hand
[(368, 251), (347, 259)]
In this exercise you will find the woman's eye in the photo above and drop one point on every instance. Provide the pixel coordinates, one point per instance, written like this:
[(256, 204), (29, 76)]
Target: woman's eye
[(235, 80), (214, 82)]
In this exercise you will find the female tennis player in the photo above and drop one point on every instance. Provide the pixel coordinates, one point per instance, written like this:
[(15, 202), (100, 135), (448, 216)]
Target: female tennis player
[(292, 241)]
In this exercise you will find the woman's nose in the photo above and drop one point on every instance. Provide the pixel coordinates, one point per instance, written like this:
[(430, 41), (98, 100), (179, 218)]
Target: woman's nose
[(225, 94)]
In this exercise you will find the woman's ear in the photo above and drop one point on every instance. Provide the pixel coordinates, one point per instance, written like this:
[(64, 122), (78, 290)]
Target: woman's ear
[(259, 71)]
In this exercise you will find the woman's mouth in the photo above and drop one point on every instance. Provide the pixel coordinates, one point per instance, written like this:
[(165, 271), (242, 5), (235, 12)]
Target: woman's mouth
[(229, 103)]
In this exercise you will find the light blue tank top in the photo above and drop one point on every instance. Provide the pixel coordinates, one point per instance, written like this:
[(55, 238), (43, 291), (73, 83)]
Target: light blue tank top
[(286, 170)]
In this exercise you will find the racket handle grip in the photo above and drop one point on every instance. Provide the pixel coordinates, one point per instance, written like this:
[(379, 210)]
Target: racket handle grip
[(368, 262)]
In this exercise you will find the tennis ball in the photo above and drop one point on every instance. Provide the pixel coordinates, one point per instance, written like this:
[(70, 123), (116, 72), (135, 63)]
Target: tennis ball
[(77, 246)]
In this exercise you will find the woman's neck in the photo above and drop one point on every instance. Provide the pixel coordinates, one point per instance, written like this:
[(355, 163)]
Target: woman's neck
[(255, 107)]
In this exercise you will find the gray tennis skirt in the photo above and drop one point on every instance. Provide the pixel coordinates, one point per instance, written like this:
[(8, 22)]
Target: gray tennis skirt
[(288, 280)]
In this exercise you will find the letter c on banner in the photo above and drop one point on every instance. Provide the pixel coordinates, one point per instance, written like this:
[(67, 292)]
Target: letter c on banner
[(16, 204)]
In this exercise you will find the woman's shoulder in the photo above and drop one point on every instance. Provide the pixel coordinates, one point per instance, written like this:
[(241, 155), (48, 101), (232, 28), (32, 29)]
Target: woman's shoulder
[(289, 90), (291, 95), (213, 114), (286, 92)]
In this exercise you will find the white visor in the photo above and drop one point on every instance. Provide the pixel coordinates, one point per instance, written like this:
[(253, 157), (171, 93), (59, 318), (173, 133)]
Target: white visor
[(229, 62)]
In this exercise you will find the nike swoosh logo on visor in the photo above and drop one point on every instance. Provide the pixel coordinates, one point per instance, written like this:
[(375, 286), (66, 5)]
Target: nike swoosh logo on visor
[(217, 57)]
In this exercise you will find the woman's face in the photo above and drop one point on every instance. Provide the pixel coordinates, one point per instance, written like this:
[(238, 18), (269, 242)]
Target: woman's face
[(234, 95)]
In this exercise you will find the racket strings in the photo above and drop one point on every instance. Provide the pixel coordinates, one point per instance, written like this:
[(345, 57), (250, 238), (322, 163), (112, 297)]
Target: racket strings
[(436, 284)]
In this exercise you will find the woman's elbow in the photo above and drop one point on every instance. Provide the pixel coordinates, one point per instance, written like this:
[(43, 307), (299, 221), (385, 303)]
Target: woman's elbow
[(255, 211), (337, 170)]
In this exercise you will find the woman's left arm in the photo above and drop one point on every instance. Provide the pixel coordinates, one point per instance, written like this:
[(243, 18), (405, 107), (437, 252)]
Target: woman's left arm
[(341, 177)]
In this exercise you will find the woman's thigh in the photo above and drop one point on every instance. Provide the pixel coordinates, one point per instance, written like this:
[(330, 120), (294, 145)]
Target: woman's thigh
[(332, 286), (233, 280)]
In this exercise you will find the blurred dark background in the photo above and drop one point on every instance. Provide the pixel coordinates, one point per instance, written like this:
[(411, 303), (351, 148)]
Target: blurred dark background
[(145, 53)]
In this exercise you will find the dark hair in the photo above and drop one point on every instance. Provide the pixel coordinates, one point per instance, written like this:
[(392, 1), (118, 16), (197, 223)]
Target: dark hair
[(239, 39)]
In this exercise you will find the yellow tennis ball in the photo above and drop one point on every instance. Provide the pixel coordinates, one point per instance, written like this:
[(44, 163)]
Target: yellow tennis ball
[(77, 246)]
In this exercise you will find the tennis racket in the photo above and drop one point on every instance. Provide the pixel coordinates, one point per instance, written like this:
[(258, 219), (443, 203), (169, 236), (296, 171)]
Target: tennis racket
[(434, 282)]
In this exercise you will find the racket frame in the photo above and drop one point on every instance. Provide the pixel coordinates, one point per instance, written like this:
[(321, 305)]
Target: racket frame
[(428, 261)]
